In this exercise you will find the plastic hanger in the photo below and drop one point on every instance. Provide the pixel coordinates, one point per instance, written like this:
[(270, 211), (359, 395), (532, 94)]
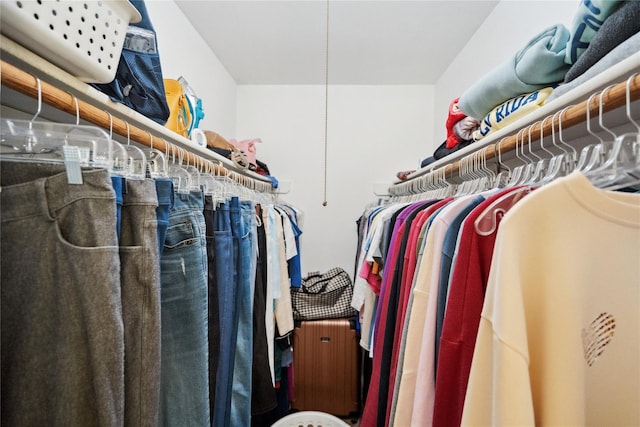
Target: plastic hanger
[(592, 156), (516, 173), (136, 167), (527, 173), (487, 222), (560, 164), (120, 159), (156, 161), (542, 165), (621, 159), (208, 183), (504, 172), (71, 144), (180, 177)]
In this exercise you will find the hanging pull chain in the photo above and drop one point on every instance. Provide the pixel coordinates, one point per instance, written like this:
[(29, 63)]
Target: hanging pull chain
[(326, 106)]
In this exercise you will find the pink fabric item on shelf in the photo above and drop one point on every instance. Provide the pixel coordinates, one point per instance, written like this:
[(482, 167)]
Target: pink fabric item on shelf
[(248, 147)]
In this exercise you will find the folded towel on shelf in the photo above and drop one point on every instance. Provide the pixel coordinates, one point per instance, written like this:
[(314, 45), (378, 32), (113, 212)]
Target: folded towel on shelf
[(622, 24), (629, 47), (537, 65), (586, 23), (510, 111)]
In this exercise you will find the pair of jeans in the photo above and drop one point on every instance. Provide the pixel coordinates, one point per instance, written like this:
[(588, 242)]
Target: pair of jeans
[(226, 250), (140, 289), (243, 226), (62, 330), (184, 367), (164, 191)]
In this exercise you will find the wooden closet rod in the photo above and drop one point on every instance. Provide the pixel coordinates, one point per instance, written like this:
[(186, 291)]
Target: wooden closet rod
[(27, 84), (613, 97)]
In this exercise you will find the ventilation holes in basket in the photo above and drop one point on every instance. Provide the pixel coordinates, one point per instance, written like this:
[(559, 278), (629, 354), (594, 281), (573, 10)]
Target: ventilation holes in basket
[(19, 4)]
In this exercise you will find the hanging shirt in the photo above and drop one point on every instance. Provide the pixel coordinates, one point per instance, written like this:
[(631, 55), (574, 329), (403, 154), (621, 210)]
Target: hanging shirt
[(429, 214), (425, 376), (370, 413), (417, 316), (462, 316), (558, 341)]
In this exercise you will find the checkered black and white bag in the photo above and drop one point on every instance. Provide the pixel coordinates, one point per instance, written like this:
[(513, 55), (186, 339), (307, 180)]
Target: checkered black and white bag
[(323, 296)]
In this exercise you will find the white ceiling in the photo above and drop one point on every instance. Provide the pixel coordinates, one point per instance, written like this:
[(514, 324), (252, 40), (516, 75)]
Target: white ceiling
[(370, 42)]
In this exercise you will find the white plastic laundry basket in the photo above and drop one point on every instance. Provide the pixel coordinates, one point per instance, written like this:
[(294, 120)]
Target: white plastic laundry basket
[(84, 38), (310, 419)]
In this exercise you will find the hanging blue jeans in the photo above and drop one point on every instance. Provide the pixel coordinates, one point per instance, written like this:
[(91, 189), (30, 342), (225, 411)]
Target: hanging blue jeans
[(226, 249), (247, 262), (184, 371), (164, 191)]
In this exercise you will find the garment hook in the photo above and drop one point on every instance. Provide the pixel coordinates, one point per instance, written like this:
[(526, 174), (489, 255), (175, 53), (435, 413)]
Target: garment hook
[(110, 125), (628, 97), (542, 134), (529, 143), (75, 101), (128, 132), (561, 139), (498, 147), (600, 112), (520, 138), (39, 110), (589, 118)]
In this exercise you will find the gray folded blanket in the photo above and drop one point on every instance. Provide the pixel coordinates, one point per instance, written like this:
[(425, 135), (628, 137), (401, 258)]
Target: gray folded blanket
[(629, 47), (618, 27)]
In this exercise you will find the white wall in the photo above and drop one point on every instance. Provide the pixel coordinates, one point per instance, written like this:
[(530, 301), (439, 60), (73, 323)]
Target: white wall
[(505, 31), (184, 53), (374, 132)]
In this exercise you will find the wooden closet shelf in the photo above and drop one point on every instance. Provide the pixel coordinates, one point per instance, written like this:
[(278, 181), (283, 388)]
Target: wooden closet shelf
[(23, 82), (609, 99)]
